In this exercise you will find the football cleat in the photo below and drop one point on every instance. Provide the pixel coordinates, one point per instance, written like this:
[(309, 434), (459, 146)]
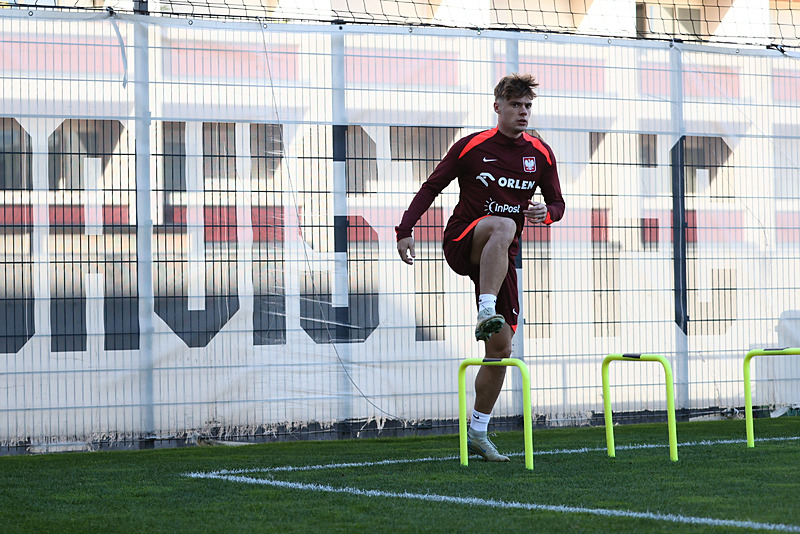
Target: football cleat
[(479, 443), (489, 322)]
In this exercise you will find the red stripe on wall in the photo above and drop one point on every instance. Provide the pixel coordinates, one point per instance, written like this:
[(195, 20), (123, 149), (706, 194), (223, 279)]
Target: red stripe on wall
[(417, 67), (786, 85), (359, 230), (599, 225), (649, 230), (701, 226), (221, 222), (222, 61), (716, 226), (430, 226), (578, 225), (787, 226), (711, 81), (698, 81), (65, 55), (556, 74), (73, 215), (654, 79), (536, 233), (69, 215), (268, 224), (66, 215), (16, 215)]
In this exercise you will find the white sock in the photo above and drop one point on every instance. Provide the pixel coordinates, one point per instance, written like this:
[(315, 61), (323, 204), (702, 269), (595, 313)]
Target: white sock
[(486, 300), (479, 421)]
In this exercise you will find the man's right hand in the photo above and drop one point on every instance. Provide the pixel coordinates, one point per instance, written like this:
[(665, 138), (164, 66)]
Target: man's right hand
[(405, 247)]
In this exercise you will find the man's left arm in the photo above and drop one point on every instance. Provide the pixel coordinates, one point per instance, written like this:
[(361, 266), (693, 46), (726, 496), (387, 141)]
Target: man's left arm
[(551, 191), (553, 208)]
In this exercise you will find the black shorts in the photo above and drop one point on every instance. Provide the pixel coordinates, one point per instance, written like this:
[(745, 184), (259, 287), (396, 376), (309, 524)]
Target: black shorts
[(457, 246)]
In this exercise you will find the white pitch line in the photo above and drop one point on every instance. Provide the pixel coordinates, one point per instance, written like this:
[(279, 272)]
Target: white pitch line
[(474, 501), (581, 450)]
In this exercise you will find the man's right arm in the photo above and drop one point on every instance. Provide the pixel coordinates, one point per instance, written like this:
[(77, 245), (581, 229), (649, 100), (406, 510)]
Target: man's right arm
[(441, 177), (405, 241)]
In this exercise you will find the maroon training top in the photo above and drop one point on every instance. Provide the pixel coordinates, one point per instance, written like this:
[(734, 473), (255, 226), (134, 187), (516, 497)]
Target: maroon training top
[(497, 175)]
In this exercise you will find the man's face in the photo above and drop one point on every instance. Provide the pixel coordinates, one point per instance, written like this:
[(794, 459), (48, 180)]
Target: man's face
[(513, 114)]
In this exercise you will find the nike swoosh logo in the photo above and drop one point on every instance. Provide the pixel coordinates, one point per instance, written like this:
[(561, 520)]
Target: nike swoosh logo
[(488, 160)]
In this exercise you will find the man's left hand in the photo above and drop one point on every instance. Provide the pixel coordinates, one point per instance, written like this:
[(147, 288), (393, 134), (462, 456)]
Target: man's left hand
[(536, 212)]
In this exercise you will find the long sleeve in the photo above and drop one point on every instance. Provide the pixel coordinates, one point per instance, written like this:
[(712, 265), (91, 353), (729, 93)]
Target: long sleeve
[(445, 172), (551, 191)]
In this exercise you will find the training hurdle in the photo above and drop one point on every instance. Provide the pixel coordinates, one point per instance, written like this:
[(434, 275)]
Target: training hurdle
[(748, 394), (526, 403), (673, 438)]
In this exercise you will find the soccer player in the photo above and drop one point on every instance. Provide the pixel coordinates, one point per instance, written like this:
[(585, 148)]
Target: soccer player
[(498, 171)]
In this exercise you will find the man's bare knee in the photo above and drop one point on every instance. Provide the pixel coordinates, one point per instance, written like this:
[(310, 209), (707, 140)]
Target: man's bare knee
[(499, 345), (499, 354), (500, 227), (499, 231)]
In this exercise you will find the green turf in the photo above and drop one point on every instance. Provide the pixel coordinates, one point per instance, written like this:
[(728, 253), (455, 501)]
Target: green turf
[(140, 491)]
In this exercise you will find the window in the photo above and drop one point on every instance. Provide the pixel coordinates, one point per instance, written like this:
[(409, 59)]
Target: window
[(15, 156), (174, 161), (787, 161), (73, 142), (219, 151), (647, 150)]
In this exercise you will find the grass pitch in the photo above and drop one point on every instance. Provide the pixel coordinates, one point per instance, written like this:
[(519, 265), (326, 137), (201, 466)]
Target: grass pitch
[(417, 485)]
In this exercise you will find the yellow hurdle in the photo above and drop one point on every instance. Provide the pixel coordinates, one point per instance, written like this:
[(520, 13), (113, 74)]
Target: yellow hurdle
[(748, 394), (526, 404), (673, 438)]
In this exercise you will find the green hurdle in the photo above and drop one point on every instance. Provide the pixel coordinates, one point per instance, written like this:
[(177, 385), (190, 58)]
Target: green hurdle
[(673, 439), (748, 394), (526, 404)]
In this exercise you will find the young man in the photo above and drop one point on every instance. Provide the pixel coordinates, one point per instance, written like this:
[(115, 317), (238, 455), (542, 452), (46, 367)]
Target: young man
[(498, 171)]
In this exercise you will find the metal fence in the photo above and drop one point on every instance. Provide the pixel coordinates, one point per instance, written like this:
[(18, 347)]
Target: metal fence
[(198, 226)]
